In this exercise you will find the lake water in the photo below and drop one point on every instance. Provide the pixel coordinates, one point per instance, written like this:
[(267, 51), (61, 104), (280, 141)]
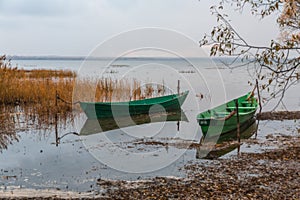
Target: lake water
[(133, 152), (209, 77)]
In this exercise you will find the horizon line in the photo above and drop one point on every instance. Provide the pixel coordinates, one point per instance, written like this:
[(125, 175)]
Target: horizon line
[(56, 57)]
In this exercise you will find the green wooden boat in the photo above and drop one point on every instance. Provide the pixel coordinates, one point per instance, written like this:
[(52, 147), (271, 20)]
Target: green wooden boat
[(223, 119), (169, 103), (93, 126)]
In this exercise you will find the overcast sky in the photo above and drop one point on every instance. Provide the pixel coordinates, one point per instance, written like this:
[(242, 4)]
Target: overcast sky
[(75, 27)]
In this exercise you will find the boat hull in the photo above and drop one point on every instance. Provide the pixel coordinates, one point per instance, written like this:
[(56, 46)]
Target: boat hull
[(99, 110)]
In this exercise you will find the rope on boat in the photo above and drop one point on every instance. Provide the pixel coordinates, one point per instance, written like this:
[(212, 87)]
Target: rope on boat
[(74, 133), (228, 116), (66, 102), (56, 118), (58, 139)]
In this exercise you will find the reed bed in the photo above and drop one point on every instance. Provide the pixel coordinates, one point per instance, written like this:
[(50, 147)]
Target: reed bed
[(114, 90), (34, 92), (38, 88), (30, 96)]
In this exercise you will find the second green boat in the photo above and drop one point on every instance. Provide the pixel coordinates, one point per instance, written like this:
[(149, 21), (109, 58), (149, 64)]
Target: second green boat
[(223, 119)]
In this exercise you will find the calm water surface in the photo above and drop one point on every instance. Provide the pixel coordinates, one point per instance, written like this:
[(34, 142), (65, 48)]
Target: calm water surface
[(35, 161)]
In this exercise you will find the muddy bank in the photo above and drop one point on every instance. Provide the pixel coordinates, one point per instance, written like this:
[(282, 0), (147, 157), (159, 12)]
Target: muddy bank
[(279, 115), (273, 174)]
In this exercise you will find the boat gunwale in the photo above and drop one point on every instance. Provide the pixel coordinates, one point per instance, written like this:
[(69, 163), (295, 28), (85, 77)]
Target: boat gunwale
[(252, 110), (222, 118), (170, 98)]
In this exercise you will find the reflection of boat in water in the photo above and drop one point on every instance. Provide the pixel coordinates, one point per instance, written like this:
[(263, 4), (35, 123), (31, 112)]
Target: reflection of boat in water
[(225, 143), (223, 118), (169, 103), (93, 126)]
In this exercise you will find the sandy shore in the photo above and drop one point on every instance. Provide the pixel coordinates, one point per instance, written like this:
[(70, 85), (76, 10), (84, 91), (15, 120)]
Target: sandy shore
[(45, 194)]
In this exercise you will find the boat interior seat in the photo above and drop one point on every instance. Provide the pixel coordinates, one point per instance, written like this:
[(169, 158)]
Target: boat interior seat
[(222, 114), (241, 108), (247, 103)]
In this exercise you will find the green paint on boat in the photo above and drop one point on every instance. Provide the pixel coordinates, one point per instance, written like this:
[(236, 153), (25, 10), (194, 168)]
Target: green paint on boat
[(222, 119), (169, 103)]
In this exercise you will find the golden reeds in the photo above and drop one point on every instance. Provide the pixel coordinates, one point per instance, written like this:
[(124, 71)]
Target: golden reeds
[(34, 91), (29, 96)]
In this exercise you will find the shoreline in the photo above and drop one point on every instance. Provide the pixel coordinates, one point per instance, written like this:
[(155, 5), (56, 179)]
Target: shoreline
[(273, 173), (270, 174)]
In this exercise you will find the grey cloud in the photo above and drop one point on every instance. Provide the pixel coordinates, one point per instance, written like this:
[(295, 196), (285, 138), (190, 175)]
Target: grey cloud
[(39, 7)]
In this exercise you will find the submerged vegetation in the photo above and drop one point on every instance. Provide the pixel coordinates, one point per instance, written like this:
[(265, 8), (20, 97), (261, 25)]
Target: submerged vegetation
[(7, 129)]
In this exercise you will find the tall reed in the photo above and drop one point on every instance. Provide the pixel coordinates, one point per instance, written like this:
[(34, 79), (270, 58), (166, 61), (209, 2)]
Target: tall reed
[(34, 91), (30, 96)]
